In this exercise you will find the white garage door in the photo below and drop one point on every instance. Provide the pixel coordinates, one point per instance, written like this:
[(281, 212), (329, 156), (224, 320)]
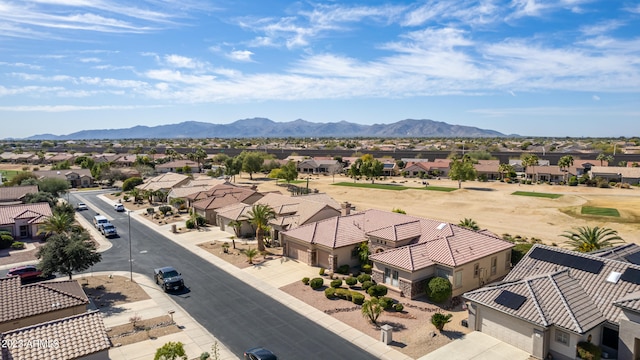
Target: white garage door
[(508, 329), (323, 259), (296, 251)]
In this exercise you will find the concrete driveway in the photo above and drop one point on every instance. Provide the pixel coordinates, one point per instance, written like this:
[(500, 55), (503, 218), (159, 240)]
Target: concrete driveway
[(477, 346)]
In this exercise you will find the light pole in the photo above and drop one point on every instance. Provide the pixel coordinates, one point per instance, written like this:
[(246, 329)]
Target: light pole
[(130, 260)]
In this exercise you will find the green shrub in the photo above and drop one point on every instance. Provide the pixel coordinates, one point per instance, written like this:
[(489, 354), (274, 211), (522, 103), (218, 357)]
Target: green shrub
[(343, 269), (321, 272), (190, 224), (17, 245), (588, 351), (351, 281), (6, 239), (336, 283), (343, 293), (366, 268), (130, 183), (439, 289), (366, 285), (150, 210), (305, 280), (377, 290), (439, 320), (385, 302), (316, 283), (364, 277), (357, 298), (398, 307), (164, 209), (518, 252), (330, 293)]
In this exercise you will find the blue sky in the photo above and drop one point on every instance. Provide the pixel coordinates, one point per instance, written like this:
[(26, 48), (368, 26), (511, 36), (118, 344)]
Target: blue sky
[(529, 67)]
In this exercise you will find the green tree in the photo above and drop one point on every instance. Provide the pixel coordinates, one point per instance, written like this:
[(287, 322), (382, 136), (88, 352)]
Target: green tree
[(505, 169), (20, 177), (67, 253), (364, 252), (171, 351), (131, 183), (250, 253), (232, 167), (587, 239), (529, 160), (252, 162), (564, 163), (39, 197), (371, 309), (439, 320), (289, 172), (439, 289), (259, 216), (59, 223), (462, 170), (369, 167), (604, 157), (54, 186), (198, 155), (469, 224)]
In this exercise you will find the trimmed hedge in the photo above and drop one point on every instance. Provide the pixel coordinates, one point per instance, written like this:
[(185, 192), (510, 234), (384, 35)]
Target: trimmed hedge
[(343, 293), (330, 293), (336, 283), (366, 285), (366, 268), (363, 277), (343, 269), (351, 281), (385, 302), (357, 298), (316, 283), (439, 289), (305, 280), (377, 290), (398, 307)]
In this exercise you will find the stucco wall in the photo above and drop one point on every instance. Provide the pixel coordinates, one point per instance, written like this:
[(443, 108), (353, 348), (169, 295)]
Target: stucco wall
[(37, 319), (629, 335)]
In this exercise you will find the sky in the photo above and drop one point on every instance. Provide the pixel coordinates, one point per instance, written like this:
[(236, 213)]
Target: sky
[(529, 67)]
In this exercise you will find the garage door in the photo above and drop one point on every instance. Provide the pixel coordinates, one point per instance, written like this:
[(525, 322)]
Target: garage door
[(507, 329), (323, 259), (297, 251)]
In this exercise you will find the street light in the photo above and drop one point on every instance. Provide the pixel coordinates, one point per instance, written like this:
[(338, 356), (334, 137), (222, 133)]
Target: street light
[(130, 260)]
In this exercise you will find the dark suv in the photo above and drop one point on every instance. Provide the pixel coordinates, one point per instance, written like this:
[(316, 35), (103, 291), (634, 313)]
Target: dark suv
[(169, 278), (259, 353)]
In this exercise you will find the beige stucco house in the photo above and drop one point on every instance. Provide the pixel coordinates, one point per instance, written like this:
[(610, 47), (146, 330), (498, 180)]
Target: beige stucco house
[(555, 298), (406, 251), (23, 221)]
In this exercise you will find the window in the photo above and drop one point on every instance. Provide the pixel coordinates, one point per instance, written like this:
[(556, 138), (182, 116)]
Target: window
[(494, 265), (476, 270), (394, 278), (387, 276), (443, 273), (457, 279), (562, 337), (507, 262)]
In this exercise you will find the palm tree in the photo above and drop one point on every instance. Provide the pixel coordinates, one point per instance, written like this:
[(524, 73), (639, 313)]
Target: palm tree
[(588, 239), (372, 309), (469, 224), (439, 320), (59, 223), (604, 157), (564, 163), (529, 160), (259, 216), (236, 225), (250, 253), (505, 169), (136, 194)]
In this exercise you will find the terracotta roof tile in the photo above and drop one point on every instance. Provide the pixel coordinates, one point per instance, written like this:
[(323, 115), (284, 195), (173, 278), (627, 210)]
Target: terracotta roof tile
[(67, 338), (37, 212), (10, 193)]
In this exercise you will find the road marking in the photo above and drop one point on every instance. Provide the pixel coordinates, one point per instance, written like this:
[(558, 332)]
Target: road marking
[(143, 252)]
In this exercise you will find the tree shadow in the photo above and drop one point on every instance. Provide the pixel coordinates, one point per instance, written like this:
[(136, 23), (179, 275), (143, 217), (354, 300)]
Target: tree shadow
[(479, 189), (452, 334)]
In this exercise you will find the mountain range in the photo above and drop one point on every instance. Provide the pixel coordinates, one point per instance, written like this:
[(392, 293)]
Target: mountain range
[(261, 127)]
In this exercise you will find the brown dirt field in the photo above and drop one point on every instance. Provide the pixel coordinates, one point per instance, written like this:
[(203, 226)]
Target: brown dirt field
[(236, 257), (126, 334), (492, 206), (413, 333), (105, 291)]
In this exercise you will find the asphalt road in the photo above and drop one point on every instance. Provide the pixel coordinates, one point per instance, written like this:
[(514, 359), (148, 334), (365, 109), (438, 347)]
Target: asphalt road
[(236, 314)]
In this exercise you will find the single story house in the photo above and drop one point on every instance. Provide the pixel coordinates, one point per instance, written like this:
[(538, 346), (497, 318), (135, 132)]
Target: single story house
[(488, 169), (439, 167), (13, 195), (555, 298), (178, 166), (77, 178), (313, 166), (165, 182), (221, 196), (406, 251), (23, 221), (623, 174)]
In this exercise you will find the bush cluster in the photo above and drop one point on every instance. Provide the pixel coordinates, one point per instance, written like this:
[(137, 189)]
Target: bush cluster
[(17, 245), (439, 289), (364, 277), (398, 307), (351, 281), (377, 290), (588, 351), (366, 268), (305, 280), (330, 293), (357, 298), (336, 283), (343, 269), (366, 285), (316, 283), (385, 302)]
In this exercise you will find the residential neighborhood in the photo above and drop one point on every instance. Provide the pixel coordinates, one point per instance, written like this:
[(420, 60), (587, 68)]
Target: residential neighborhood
[(545, 302)]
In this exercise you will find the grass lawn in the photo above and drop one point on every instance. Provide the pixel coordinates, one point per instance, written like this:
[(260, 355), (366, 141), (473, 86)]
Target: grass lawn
[(373, 186), (437, 188), (599, 211), (537, 194), (9, 174)]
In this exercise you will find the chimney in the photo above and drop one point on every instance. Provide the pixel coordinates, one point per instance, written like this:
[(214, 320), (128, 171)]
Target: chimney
[(346, 208)]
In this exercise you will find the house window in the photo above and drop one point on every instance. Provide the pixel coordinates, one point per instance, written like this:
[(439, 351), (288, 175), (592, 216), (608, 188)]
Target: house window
[(562, 337), (443, 273), (457, 279), (476, 270), (355, 252), (394, 278), (507, 262), (494, 265)]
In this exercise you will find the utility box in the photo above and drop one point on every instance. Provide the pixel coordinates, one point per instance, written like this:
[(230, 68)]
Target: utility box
[(386, 334), (173, 228)]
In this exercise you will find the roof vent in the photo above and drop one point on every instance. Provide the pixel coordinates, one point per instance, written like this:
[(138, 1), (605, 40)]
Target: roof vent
[(614, 277), (441, 226)]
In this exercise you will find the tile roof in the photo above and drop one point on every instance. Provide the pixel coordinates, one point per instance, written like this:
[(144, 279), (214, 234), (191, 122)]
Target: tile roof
[(61, 174), (9, 193), (163, 181), (20, 301), (67, 338), (620, 252), (37, 213), (568, 297), (223, 199), (627, 172)]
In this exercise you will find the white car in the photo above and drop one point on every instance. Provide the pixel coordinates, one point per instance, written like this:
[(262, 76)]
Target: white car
[(82, 206), (118, 207)]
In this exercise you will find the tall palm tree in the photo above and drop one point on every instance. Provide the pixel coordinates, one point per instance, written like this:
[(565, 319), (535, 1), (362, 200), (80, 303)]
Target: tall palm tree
[(564, 163), (505, 168), (469, 224), (59, 223), (259, 216), (529, 160), (587, 239)]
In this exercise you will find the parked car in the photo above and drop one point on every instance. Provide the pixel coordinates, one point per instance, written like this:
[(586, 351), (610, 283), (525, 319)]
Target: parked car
[(99, 220), (82, 206), (259, 353), (118, 207), (169, 278), (108, 230), (25, 272)]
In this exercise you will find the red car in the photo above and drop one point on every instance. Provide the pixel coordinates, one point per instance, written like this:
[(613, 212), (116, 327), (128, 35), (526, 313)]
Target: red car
[(25, 272)]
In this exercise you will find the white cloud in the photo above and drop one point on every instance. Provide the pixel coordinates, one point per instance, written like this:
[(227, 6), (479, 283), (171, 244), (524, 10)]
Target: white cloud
[(595, 98), (240, 55), (179, 61), (602, 27), (68, 108)]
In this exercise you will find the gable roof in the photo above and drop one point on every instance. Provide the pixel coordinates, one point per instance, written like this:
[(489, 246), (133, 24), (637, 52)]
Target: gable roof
[(221, 198), (36, 213), (12, 193), (21, 301), (629, 252), (164, 181), (67, 338), (566, 296)]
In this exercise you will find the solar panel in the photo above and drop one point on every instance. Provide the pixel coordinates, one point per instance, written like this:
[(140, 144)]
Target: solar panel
[(511, 300), (573, 261), (633, 258), (631, 275)]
